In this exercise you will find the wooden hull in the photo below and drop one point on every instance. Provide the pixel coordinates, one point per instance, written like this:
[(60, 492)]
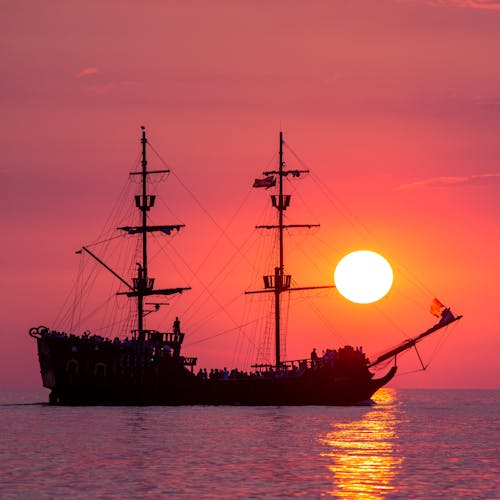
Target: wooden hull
[(83, 373)]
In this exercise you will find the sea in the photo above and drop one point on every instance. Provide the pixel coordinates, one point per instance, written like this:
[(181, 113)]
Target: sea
[(415, 444)]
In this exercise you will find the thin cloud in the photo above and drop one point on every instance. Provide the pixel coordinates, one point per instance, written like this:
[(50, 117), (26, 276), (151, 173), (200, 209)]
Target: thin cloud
[(479, 4), (470, 4), (99, 89), (455, 181), (87, 72)]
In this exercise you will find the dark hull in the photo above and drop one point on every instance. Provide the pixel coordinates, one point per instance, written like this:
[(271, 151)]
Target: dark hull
[(83, 373)]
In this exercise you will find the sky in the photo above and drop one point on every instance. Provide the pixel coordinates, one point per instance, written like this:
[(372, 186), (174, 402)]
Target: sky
[(394, 106)]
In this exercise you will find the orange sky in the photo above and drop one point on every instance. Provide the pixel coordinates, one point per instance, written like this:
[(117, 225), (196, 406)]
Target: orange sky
[(393, 104)]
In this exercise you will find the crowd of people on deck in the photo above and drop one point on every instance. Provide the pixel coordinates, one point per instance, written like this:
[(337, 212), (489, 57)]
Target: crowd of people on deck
[(344, 356), (149, 348)]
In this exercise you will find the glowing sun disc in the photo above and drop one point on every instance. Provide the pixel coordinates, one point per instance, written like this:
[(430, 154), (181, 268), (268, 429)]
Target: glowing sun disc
[(363, 276)]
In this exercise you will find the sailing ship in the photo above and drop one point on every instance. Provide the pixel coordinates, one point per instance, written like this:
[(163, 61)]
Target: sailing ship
[(150, 368)]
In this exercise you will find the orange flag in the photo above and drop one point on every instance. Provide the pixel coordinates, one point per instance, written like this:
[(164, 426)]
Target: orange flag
[(436, 307)]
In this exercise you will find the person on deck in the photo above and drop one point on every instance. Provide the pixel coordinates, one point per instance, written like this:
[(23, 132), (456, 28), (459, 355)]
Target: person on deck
[(177, 326), (314, 357)]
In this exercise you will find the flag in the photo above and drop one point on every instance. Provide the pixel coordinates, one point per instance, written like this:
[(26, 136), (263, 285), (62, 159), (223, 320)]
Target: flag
[(436, 307), (267, 182)]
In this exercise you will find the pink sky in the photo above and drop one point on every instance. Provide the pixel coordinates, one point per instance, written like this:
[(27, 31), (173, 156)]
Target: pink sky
[(394, 105)]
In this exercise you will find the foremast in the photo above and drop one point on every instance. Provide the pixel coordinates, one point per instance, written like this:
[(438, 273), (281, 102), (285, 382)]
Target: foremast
[(279, 282)]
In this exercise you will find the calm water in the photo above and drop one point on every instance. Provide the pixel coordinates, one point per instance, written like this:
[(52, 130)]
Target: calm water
[(411, 444)]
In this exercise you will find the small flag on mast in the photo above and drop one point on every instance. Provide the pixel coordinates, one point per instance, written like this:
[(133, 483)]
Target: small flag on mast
[(267, 182), (436, 307)]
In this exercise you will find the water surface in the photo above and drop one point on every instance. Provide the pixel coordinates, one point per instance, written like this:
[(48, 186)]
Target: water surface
[(410, 444)]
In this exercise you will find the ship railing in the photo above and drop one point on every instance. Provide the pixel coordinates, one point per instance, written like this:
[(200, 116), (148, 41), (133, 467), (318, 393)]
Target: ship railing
[(288, 365), (164, 338)]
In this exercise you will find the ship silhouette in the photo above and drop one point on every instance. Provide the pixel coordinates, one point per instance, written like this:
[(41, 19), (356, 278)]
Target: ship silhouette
[(147, 367)]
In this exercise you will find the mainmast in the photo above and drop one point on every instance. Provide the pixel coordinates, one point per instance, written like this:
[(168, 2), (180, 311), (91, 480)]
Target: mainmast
[(142, 285), (280, 282), (144, 203), (147, 203)]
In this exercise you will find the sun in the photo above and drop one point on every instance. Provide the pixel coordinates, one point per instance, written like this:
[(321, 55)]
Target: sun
[(363, 276)]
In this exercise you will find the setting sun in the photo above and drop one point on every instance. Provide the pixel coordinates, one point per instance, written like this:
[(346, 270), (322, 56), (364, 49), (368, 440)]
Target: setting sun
[(363, 277)]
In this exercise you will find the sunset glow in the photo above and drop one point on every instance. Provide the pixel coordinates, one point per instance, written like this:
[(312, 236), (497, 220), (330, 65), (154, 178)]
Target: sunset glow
[(392, 106), (364, 461), (363, 277)]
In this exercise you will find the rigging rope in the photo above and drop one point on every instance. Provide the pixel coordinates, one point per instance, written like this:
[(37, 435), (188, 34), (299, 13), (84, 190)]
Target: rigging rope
[(207, 213), (354, 221), (210, 293), (238, 251)]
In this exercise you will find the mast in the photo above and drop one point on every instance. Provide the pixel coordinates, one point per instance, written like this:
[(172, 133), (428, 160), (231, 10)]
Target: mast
[(280, 270), (144, 203), (142, 271), (146, 206), (280, 282), (143, 285)]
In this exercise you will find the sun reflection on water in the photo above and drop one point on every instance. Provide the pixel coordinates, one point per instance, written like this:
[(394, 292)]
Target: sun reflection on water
[(363, 452)]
